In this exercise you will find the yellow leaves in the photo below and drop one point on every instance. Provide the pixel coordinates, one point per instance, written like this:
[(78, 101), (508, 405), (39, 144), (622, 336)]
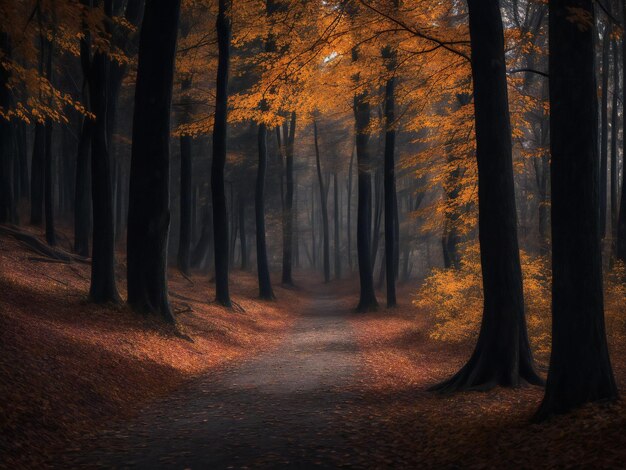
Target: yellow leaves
[(455, 297)]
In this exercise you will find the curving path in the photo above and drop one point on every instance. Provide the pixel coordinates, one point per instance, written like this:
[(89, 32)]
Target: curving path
[(281, 409)]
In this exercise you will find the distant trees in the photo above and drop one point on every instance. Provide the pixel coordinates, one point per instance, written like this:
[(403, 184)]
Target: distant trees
[(149, 205), (580, 369), (324, 206)]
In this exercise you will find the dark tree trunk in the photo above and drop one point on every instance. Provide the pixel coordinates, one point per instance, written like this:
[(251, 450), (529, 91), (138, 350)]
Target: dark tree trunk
[(502, 355), (82, 187), (37, 175), (324, 206), (184, 242), (620, 249), (220, 213), (49, 186), (203, 247), (614, 154), (378, 213), (48, 163), (580, 369), (313, 242), (367, 300), (263, 272), (7, 201), (243, 245), (337, 226), (288, 209), (38, 159), (23, 156), (349, 209), (103, 288), (149, 207), (390, 179), (604, 143)]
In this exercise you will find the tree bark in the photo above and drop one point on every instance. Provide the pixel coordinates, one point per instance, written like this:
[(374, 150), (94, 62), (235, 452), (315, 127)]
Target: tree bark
[(7, 201), (184, 242), (367, 300), (220, 213), (604, 143), (149, 206), (580, 369), (263, 272), (288, 210), (337, 227), (620, 250), (502, 355), (103, 288), (614, 154), (82, 186), (324, 206), (389, 55)]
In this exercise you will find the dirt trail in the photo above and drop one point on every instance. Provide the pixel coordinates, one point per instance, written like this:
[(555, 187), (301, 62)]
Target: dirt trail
[(280, 408)]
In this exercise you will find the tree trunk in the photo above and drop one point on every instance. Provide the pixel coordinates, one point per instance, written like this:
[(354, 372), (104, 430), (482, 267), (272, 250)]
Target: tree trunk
[(263, 272), (243, 245), (620, 250), (324, 206), (220, 213), (604, 143), (184, 242), (390, 179), (580, 369), (614, 153), (337, 226), (288, 210), (82, 187), (48, 163), (7, 201), (149, 206), (502, 355), (103, 288), (349, 209), (367, 300)]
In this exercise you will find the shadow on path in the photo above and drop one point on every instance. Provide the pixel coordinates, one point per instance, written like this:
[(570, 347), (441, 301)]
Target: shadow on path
[(276, 410)]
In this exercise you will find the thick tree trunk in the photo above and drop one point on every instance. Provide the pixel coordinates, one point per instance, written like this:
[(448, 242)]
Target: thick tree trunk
[(502, 355), (390, 179), (580, 369), (288, 209), (37, 175), (263, 272), (337, 227), (220, 213), (367, 300), (324, 206), (149, 206), (103, 288)]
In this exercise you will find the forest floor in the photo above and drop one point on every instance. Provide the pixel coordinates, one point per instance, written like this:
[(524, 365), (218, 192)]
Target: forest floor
[(304, 382)]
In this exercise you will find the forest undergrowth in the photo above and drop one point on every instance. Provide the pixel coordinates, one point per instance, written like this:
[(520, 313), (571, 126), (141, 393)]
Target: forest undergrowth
[(408, 349), (68, 367)]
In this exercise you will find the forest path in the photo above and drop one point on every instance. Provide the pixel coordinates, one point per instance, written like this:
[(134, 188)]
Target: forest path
[(278, 409)]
